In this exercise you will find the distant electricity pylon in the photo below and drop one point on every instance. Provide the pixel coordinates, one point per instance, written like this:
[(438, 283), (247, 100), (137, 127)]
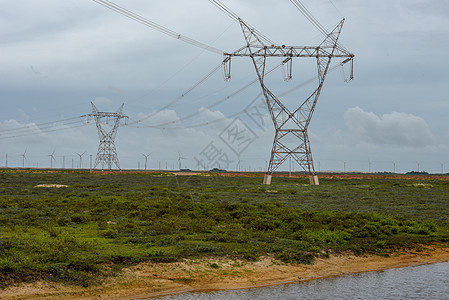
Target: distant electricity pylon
[(107, 153), (289, 125)]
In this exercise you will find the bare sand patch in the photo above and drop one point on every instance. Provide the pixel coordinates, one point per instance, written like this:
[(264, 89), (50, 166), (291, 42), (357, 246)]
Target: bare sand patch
[(52, 185)]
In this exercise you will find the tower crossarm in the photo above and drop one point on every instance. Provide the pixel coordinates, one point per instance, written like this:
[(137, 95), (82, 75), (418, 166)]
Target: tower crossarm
[(291, 51), (102, 114)]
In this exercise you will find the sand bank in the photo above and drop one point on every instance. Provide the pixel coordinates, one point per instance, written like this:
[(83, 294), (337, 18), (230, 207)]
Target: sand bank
[(155, 279)]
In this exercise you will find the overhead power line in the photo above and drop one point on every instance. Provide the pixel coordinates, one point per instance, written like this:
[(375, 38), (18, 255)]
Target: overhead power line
[(309, 16), (167, 125), (236, 18), (224, 99), (36, 131), (188, 91), (133, 16), (27, 127)]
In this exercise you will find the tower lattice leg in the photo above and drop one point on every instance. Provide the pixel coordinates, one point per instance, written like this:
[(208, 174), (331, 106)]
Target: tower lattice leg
[(292, 143)]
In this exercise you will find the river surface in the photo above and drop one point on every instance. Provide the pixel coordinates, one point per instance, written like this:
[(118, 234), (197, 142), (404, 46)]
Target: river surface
[(419, 282)]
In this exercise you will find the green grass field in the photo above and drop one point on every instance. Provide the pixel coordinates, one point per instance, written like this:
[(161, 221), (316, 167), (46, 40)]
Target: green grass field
[(90, 229)]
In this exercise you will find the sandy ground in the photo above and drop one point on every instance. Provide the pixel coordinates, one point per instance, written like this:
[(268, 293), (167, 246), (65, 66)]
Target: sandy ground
[(148, 280)]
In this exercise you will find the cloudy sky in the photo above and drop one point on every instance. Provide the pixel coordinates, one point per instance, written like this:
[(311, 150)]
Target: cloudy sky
[(57, 56)]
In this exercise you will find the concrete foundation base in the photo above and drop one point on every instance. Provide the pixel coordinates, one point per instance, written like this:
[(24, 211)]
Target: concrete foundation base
[(314, 180), (267, 179)]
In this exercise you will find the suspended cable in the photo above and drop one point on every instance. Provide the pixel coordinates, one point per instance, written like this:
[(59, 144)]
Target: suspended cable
[(179, 71), (35, 130), (164, 125), (313, 20), (224, 99), (108, 4), (188, 91), (205, 47), (309, 16), (38, 131), (336, 8), (48, 126), (131, 15), (42, 128), (226, 10), (26, 127), (190, 126), (234, 16), (224, 118)]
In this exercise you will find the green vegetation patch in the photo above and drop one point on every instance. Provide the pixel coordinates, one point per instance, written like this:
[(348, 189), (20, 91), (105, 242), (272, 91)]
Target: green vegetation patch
[(99, 223)]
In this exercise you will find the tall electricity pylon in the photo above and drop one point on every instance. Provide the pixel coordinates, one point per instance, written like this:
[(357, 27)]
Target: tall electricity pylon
[(288, 124), (107, 153)]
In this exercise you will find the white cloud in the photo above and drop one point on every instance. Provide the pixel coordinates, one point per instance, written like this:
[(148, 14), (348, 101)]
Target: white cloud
[(159, 119), (395, 128), (216, 121), (10, 129)]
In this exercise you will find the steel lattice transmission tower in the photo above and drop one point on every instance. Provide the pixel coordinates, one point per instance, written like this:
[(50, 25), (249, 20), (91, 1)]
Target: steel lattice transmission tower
[(288, 123), (107, 153)]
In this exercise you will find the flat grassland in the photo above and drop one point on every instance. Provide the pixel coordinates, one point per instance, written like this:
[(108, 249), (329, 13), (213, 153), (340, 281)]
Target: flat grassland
[(82, 230)]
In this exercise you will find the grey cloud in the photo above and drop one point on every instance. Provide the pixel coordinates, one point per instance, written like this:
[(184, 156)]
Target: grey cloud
[(395, 128), (57, 56)]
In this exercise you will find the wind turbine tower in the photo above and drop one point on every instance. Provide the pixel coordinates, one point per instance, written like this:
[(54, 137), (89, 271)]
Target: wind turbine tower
[(23, 158), (52, 158), (107, 153), (289, 124), (179, 160), (146, 159), (81, 158)]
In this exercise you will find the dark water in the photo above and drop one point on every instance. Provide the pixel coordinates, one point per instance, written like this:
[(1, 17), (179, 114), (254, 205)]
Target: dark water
[(420, 282)]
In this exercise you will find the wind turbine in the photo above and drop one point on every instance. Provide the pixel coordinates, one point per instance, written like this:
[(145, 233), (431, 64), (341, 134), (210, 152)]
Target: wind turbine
[(81, 157), (238, 163), (52, 158), (146, 158), (179, 160), (23, 158)]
